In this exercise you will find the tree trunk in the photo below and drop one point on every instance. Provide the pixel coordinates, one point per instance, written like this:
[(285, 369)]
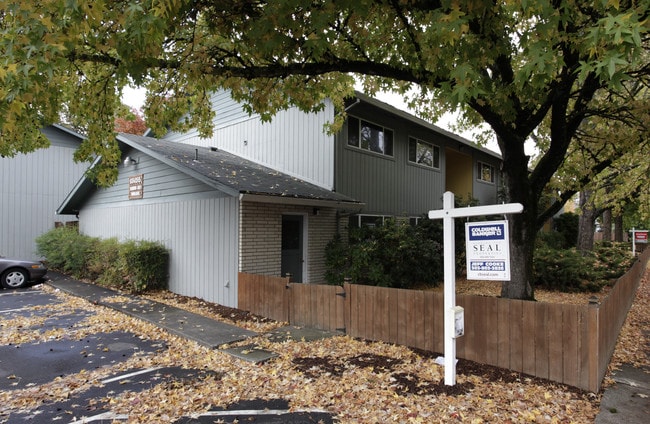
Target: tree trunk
[(522, 227), (586, 226), (607, 225), (618, 228), (522, 244)]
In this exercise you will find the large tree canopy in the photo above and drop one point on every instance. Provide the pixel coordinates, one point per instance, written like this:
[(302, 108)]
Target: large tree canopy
[(523, 67)]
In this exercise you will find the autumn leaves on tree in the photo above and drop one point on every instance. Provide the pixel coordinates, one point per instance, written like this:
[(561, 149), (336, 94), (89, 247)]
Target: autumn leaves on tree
[(555, 72)]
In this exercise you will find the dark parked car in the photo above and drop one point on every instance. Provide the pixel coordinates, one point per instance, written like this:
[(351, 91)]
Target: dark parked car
[(16, 273)]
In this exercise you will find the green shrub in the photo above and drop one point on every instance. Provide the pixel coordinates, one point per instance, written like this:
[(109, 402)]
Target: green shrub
[(52, 245), (569, 270), (564, 234), (336, 260), (550, 239), (66, 249), (396, 254), (561, 269), (613, 260), (146, 265), (392, 255), (134, 265), (104, 263), (567, 226)]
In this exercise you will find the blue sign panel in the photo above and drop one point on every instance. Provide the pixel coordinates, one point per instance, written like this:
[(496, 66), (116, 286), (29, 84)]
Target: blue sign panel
[(491, 231)]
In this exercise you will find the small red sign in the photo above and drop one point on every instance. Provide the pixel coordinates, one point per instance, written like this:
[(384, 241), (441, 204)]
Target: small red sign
[(641, 236)]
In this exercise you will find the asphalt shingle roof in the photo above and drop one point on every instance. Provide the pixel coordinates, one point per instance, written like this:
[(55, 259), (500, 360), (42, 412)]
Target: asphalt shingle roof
[(227, 170)]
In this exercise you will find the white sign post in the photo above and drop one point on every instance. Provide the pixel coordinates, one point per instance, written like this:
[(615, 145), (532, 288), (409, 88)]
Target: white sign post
[(447, 214)]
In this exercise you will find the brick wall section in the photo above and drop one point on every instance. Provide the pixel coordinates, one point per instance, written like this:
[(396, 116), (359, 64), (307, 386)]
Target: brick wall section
[(260, 229), (322, 229)]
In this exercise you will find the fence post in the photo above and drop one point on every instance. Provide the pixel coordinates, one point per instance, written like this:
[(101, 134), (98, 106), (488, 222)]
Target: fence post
[(593, 328), (347, 305)]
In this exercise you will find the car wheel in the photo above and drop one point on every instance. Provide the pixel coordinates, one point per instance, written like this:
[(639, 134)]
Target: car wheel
[(14, 279)]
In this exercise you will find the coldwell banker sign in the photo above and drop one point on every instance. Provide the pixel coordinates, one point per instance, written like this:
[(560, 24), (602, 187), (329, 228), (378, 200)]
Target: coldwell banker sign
[(487, 250)]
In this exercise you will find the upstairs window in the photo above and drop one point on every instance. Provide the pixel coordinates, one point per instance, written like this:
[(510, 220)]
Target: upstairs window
[(368, 136), (485, 172), (424, 153)]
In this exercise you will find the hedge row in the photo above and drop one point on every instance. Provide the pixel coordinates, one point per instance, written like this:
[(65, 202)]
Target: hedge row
[(570, 270), (134, 266), (398, 255)]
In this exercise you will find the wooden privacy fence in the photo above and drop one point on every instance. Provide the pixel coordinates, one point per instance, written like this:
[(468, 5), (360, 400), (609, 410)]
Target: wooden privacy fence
[(570, 344)]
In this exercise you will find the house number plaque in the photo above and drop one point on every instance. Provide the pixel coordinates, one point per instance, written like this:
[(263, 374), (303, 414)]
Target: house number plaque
[(136, 186)]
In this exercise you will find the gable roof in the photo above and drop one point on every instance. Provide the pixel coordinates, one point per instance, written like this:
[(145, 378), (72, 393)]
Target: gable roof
[(223, 171)]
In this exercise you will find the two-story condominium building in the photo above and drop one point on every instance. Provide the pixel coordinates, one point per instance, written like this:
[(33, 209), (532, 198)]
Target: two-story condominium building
[(265, 198)]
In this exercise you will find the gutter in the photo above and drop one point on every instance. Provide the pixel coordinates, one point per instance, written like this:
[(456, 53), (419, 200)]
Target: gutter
[(300, 201)]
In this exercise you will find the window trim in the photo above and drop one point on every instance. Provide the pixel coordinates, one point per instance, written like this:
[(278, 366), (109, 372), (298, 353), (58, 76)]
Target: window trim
[(358, 218), (358, 145), (479, 177), (434, 148)]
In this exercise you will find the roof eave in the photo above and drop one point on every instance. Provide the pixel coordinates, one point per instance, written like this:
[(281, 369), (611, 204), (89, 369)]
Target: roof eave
[(412, 118), (301, 201)]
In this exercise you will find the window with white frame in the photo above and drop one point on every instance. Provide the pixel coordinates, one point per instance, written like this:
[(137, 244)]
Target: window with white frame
[(368, 136), (485, 172), (424, 153), (358, 221)]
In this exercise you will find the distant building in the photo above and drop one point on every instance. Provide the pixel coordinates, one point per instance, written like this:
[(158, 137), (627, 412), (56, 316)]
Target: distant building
[(32, 186)]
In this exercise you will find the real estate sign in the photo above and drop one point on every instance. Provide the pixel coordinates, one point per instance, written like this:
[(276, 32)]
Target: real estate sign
[(640, 236), (487, 250)]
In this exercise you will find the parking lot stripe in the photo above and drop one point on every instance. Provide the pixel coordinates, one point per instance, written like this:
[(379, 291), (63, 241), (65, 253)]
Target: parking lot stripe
[(102, 417), (253, 412), (4, 311), (133, 374), (16, 293)]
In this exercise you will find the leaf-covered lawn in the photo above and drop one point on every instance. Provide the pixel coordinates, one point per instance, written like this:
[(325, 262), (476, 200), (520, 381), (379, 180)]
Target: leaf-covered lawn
[(358, 381)]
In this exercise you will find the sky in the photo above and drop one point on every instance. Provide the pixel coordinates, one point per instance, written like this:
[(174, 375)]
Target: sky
[(134, 97)]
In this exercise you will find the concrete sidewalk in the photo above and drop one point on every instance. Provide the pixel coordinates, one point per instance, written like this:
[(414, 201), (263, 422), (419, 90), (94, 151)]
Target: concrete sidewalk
[(627, 401), (205, 331), (208, 332)]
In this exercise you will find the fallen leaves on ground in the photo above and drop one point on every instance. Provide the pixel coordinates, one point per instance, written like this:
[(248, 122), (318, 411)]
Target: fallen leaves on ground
[(493, 289), (634, 340), (356, 380), (243, 319)]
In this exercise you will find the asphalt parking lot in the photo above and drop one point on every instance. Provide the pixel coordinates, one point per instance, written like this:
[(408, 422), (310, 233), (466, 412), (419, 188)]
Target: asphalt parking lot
[(26, 365)]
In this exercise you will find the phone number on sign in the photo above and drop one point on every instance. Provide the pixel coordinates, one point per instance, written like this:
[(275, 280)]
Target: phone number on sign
[(488, 266)]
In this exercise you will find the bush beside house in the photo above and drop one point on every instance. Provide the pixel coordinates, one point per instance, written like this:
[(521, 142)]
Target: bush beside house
[(399, 255), (135, 266)]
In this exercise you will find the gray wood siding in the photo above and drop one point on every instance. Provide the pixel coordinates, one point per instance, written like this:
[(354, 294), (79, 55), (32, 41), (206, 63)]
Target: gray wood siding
[(228, 112), (202, 236), (389, 185), (61, 138), (161, 183), (486, 193), (32, 186), (294, 142), (393, 185)]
